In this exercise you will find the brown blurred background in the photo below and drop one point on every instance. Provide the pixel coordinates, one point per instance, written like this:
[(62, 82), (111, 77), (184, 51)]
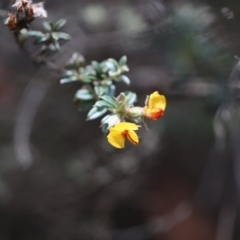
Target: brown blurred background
[(59, 178)]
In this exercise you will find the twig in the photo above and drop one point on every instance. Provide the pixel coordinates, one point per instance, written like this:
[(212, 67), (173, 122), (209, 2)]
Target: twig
[(32, 97)]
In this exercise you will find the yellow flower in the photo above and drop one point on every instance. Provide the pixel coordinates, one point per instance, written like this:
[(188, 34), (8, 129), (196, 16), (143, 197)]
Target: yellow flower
[(120, 132), (155, 106)]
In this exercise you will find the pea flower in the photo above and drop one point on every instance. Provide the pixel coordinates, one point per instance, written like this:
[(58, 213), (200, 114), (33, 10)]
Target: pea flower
[(155, 106), (120, 132)]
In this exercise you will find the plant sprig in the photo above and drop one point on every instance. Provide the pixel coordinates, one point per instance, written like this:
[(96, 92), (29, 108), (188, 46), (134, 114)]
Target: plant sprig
[(98, 79)]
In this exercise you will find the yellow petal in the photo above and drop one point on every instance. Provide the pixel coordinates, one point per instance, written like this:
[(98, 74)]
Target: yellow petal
[(125, 126), (132, 137), (157, 101), (116, 139)]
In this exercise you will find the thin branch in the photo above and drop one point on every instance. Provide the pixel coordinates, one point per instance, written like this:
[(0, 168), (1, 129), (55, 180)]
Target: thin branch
[(28, 107)]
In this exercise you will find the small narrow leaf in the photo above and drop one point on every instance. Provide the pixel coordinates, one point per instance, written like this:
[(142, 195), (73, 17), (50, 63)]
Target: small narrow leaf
[(123, 61), (59, 24), (131, 97), (47, 26), (96, 66), (104, 120), (68, 80), (34, 34), (113, 73), (55, 36), (114, 62), (95, 113), (125, 79), (84, 94), (57, 46), (52, 47), (110, 100), (100, 90), (68, 73), (111, 90), (63, 36), (125, 68), (103, 104), (104, 128), (109, 66)]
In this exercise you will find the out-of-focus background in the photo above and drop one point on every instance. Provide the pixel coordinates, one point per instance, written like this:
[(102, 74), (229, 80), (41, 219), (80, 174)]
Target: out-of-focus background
[(59, 178)]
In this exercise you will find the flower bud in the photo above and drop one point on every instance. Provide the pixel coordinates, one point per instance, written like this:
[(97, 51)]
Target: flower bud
[(133, 112)]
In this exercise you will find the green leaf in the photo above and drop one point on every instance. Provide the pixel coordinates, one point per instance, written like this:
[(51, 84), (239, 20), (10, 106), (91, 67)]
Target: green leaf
[(131, 97), (95, 113), (84, 94), (100, 90), (84, 105), (76, 61), (113, 74), (45, 51), (47, 26), (114, 62), (69, 73), (41, 40), (110, 100), (59, 24), (105, 119), (103, 76), (96, 66), (125, 68), (23, 37), (108, 66), (111, 90), (123, 61), (63, 36), (85, 79), (104, 128), (108, 82), (34, 34), (52, 47), (68, 80), (55, 36), (125, 79), (57, 46), (103, 104)]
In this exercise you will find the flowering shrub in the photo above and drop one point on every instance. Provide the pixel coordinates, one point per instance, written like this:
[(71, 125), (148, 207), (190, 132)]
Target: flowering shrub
[(98, 79)]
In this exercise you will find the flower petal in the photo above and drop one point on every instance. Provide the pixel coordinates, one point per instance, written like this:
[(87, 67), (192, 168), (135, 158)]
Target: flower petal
[(157, 101), (115, 138), (122, 126), (132, 137), (152, 113)]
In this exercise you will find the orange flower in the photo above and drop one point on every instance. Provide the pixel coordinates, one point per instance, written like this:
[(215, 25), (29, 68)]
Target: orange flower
[(155, 106)]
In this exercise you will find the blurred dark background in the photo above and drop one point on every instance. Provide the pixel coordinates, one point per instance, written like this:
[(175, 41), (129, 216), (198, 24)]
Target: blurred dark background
[(59, 178)]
